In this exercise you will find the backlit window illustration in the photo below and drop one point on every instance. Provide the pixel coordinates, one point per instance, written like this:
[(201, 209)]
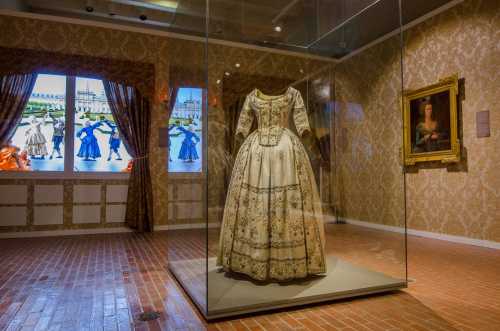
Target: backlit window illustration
[(185, 131), (98, 144), (38, 142)]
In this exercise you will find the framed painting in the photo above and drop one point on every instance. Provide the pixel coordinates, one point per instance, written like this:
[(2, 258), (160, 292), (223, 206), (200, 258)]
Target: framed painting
[(431, 123)]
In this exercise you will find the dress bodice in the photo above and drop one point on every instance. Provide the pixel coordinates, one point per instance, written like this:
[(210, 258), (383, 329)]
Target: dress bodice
[(272, 114)]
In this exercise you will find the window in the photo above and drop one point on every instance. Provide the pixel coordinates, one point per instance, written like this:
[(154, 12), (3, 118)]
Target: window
[(44, 141), (40, 134), (98, 146), (185, 131)]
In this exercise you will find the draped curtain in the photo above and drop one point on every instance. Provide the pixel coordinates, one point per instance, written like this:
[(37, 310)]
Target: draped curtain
[(132, 114), (15, 91), (172, 98)]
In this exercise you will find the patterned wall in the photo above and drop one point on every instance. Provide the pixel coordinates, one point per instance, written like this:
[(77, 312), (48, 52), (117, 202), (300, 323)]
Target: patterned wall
[(462, 199), (164, 53)]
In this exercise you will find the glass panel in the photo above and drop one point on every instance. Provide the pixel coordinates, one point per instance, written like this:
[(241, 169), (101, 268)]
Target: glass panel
[(98, 146), (38, 142), (185, 129), (369, 185), (279, 174), (187, 186)]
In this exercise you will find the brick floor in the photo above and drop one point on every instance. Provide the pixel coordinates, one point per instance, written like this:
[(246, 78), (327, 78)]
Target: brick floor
[(103, 282)]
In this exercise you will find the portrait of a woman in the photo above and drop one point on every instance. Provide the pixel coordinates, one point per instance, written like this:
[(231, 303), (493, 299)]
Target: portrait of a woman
[(431, 126), (431, 121), (427, 130)]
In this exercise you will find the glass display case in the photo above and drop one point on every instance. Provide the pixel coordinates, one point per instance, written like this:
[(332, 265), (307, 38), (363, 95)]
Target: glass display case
[(298, 147)]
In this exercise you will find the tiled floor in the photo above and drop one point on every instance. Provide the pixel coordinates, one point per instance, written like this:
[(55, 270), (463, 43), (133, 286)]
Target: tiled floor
[(103, 282)]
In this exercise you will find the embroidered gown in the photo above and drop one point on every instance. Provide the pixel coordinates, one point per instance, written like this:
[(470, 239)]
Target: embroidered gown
[(272, 227)]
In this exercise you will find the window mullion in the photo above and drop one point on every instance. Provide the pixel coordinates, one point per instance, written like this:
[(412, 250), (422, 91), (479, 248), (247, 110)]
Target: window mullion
[(70, 125)]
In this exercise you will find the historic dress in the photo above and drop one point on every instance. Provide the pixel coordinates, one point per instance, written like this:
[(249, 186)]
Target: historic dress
[(272, 227), (427, 145), (89, 148), (188, 148), (36, 144)]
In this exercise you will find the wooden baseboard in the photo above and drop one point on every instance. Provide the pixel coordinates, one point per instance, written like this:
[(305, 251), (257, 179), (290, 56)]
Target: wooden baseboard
[(426, 234)]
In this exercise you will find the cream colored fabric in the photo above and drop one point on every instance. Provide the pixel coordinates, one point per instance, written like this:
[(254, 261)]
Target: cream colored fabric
[(272, 226), (36, 144)]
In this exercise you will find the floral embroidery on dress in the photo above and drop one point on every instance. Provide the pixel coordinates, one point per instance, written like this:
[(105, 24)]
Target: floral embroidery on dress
[(272, 226)]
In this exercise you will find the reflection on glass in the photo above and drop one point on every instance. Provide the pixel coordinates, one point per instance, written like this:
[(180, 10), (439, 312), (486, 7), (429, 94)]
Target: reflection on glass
[(38, 142), (98, 145), (185, 131)]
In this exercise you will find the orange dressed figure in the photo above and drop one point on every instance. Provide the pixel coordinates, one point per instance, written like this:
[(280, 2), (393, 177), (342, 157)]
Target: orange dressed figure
[(11, 160)]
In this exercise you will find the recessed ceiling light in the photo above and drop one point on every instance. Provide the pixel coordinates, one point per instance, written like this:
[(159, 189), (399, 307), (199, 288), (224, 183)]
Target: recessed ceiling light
[(88, 6), (237, 65), (218, 81), (277, 28), (227, 73), (111, 9)]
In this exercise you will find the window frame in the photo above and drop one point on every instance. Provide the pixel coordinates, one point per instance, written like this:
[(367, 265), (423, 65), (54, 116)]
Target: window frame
[(69, 146)]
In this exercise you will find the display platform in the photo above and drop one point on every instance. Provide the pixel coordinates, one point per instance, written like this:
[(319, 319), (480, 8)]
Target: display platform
[(230, 295)]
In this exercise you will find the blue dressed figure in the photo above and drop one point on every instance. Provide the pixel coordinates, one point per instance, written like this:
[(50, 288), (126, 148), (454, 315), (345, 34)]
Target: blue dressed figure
[(188, 149), (89, 149), (114, 140)]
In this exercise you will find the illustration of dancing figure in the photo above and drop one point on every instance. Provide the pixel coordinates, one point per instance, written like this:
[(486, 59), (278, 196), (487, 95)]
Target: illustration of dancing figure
[(188, 151), (36, 144), (57, 136), (89, 148), (114, 140)]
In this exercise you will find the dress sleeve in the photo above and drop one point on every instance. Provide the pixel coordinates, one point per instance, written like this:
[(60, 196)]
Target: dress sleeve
[(246, 119), (300, 115)]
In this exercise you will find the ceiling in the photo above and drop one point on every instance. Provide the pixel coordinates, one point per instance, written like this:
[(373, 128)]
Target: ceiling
[(331, 28)]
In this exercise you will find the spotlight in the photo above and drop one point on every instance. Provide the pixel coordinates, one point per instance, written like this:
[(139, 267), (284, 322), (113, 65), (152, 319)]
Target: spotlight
[(277, 28), (218, 81), (111, 9), (237, 65), (227, 73), (143, 17), (88, 6)]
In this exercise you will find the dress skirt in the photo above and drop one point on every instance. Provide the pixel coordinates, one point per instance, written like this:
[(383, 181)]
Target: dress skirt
[(188, 151), (36, 144), (272, 227), (89, 148)]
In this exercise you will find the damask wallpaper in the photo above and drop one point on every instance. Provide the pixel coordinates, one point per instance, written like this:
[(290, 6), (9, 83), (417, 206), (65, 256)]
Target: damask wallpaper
[(462, 199), (165, 53)]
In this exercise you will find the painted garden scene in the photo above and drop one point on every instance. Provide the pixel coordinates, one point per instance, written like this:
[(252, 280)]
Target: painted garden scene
[(185, 132)]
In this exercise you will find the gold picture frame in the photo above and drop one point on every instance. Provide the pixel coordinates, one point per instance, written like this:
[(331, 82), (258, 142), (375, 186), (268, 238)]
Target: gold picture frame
[(430, 118)]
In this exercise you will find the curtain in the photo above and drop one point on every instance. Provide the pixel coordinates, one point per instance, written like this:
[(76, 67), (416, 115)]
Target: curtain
[(320, 114), (15, 91), (137, 74), (172, 98), (132, 114)]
